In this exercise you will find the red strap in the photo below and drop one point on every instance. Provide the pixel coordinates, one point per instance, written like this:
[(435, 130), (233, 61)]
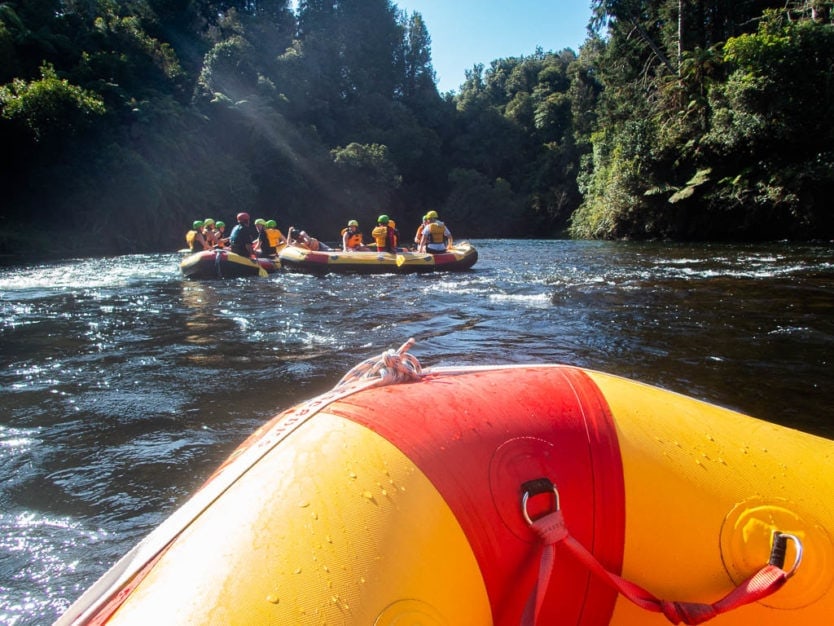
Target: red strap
[(552, 530)]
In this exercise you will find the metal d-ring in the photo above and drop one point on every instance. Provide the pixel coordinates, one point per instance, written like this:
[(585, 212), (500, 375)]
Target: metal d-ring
[(536, 487), (777, 551)]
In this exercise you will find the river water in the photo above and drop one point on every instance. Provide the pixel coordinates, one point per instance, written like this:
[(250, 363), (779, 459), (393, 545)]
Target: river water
[(122, 386)]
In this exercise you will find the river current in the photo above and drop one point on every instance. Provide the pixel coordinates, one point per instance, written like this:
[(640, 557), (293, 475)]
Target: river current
[(122, 385)]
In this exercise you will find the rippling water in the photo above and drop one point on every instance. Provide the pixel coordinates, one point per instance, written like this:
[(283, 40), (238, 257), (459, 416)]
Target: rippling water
[(122, 386)]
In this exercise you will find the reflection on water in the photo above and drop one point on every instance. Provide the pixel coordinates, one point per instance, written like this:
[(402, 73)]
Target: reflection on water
[(123, 386)]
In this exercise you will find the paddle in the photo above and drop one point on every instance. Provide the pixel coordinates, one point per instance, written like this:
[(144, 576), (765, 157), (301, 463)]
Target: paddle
[(261, 271)]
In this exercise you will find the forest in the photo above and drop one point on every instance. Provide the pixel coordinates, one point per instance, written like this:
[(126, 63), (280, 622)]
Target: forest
[(122, 121)]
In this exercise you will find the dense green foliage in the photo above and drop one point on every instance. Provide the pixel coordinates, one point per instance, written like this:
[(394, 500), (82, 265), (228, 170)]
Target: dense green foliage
[(707, 131), (122, 121)]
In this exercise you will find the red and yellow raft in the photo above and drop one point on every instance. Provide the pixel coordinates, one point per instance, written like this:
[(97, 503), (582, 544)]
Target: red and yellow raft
[(404, 497), (223, 263), (458, 258)]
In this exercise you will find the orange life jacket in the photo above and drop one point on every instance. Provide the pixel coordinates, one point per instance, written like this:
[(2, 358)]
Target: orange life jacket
[(354, 239), (275, 237)]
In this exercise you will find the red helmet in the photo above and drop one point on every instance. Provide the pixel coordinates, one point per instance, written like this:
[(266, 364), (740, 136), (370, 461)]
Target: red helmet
[(243, 217)]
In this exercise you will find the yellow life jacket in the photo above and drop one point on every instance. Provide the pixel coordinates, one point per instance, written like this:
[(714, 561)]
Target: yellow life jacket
[(275, 237), (195, 244), (437, 232), (380, 235)]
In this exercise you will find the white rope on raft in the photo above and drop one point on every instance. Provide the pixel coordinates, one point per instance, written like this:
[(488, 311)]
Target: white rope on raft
[(390, 368)]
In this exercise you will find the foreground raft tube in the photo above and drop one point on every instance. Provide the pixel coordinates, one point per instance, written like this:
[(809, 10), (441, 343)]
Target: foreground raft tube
[(219, 263), (348, 510), (460, 257)]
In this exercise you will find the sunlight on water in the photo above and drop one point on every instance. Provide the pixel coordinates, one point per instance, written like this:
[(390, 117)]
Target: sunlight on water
[(88, 273), (35, 549)]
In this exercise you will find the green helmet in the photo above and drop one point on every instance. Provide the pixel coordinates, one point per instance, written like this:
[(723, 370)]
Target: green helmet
[(208, 222), (260, 222), (272, 224), (197, 224), (382, 219), (353, 223), (432, 215), (220, 224)]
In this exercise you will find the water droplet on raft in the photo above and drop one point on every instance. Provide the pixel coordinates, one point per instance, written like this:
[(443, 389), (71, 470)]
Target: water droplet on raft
[(272, 599)]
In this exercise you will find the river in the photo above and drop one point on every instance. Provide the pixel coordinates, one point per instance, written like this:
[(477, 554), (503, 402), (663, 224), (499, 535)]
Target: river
[(122, 386)]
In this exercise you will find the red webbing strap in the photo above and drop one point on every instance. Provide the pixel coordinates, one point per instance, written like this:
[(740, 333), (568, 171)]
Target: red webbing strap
[(552, 530)]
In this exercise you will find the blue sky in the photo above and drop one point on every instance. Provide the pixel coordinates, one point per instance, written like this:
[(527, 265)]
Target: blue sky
[(466, 32)]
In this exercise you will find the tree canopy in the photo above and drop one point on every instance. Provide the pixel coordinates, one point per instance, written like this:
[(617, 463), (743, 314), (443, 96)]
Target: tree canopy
[(122, 122)]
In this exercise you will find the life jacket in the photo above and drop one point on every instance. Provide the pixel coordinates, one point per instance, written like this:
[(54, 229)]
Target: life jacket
[(242, 234), (419, 235), (385, 238), (208, 235), (262, 245), (437, 232), (395, 234), (380, 235), (275, 236), (196, 241), (354, 239)]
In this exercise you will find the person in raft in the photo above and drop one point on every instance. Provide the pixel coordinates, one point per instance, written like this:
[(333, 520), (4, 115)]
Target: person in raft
[(352, 238), (436, 237), (385, 235), (392, 226), (222, 239), (418, 236), (263, 247), (195, 239), (274, 234), (209, 232), (301, 239), (243, 235)]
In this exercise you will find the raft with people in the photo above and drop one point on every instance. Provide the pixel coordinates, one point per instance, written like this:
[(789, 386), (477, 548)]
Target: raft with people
[(504, 494), (223, 263), (434, 251), (248, 251), (460, 257)]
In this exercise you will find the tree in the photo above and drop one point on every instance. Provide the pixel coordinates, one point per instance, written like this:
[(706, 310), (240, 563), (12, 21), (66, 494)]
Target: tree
[(418, 77), (49, 108)]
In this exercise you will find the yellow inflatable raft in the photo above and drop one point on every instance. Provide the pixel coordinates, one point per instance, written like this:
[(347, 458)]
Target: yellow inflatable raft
[(222, 263), (460, 257), (540, 494)]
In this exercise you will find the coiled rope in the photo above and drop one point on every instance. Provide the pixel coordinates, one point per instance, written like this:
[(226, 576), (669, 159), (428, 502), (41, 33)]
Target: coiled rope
[(390, 368)]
